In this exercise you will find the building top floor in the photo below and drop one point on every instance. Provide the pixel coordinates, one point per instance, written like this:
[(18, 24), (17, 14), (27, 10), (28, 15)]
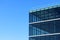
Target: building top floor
[(42, 9), (48, 13)]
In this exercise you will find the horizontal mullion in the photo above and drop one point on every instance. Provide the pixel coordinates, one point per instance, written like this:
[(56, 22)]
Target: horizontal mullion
[(44, 35), (45, 21)]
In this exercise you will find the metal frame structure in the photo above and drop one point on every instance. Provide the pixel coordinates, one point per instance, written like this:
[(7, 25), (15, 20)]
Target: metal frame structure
[(44, 24)]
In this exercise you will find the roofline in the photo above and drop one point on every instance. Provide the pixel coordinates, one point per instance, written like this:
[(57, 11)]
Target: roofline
[(44, 8)]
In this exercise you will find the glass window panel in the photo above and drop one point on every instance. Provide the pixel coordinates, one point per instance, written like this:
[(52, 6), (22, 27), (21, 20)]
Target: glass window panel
[(57, 24)]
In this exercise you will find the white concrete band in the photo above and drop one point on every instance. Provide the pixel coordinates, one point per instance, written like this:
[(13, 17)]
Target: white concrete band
[(45, 21), (44, 35)]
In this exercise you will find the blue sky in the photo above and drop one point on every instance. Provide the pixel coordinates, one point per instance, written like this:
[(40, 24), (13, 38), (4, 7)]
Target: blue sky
[(14, 17)]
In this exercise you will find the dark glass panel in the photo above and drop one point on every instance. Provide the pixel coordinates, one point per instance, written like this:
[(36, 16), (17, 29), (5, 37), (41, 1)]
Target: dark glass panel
[(57, 25)]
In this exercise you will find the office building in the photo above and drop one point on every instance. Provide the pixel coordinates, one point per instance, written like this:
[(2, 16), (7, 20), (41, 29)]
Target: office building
[(44, 24)]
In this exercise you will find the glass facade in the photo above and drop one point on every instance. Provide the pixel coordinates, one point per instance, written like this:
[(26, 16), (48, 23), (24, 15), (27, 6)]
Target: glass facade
[(44, 14), (46, 27)]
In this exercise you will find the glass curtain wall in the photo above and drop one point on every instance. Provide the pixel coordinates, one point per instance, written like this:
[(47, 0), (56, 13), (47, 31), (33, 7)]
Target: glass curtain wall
[(42, 28)]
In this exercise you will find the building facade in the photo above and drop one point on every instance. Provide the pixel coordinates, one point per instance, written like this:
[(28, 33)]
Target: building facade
[(44, 24)]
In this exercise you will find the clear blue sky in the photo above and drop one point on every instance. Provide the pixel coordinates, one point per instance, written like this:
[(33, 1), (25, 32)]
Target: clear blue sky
[(14, 17)]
